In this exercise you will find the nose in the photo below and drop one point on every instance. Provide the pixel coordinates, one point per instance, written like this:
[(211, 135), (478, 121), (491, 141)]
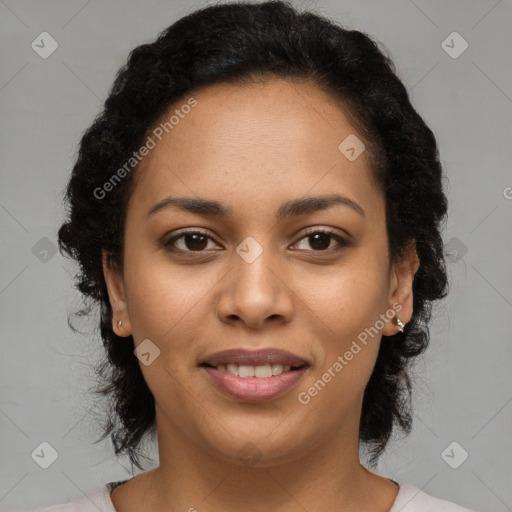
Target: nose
[(255, 294)]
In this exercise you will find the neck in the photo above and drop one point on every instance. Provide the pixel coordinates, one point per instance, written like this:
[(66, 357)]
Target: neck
[(326, 476)]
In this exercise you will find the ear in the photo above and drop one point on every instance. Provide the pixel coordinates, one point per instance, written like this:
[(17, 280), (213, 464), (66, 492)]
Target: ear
[(116, 294), (400, 290)]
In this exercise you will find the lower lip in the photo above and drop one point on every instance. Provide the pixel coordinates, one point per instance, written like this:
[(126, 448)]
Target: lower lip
[(255, 389)]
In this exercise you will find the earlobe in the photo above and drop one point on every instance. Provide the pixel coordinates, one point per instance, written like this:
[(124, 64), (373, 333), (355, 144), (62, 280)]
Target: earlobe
[(116, 292)]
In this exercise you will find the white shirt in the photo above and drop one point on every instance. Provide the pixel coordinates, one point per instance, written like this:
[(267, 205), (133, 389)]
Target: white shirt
[(409, 499)]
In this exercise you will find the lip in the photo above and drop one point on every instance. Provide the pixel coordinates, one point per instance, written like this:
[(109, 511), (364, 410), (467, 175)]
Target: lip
[(255, 357), (255, 389)]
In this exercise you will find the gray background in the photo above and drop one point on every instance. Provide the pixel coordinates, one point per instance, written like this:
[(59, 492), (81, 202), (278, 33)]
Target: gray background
[(463, 387)]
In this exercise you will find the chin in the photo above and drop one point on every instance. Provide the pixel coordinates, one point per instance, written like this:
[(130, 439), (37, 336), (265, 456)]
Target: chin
[(257, 450)]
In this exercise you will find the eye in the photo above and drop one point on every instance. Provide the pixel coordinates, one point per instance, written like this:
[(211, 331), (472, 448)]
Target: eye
[(319, 240), (188, 241)]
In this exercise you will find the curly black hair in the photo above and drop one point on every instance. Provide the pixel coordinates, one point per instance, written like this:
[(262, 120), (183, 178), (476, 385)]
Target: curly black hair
[(241, 43)]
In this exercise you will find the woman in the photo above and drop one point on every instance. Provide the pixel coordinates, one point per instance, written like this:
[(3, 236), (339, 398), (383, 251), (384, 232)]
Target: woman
[(257, 212)]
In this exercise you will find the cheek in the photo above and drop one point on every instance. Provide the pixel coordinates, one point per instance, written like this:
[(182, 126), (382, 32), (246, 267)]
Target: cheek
[(164, 299), (167, 306), (348, 299), (346, 307)]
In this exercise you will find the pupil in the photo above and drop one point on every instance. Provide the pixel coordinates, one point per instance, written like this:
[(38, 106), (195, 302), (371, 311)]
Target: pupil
[(196, 243), (319, 237)]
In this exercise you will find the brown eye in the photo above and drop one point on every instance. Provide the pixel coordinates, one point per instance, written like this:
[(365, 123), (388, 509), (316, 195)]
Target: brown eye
[(189, 241), (320, 241)]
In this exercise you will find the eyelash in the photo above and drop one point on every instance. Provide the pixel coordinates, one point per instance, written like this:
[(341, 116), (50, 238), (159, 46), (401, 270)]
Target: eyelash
[(343, 242)]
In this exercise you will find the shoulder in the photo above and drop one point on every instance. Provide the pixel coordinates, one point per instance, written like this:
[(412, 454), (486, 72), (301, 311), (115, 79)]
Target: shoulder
[(412, 499), (98, 500)]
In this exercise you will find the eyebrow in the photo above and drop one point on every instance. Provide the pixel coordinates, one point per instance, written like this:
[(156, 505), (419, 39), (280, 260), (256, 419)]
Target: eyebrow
[(288, 209)]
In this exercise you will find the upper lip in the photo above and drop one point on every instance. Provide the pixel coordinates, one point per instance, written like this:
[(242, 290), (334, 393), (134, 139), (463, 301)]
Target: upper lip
[(255, 357)]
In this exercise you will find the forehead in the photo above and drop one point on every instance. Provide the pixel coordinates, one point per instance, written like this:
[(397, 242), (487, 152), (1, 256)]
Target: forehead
[(260, 142)]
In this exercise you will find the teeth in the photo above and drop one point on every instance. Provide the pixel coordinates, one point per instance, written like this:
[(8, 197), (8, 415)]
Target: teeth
[(233, 369), (245, 371), (262, 371), (277, 369)]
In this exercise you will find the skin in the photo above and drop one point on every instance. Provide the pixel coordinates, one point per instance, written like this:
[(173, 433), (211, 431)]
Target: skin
[(251, 148)]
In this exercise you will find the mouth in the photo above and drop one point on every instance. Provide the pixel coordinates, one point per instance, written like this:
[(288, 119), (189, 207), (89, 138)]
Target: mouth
[(254, 376)]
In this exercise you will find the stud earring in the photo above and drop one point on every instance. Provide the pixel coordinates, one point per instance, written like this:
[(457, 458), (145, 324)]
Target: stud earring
[(119, 324), (400, 324)]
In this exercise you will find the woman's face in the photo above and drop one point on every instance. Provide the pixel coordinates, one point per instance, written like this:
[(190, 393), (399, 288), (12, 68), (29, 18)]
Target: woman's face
[(257, 277)]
